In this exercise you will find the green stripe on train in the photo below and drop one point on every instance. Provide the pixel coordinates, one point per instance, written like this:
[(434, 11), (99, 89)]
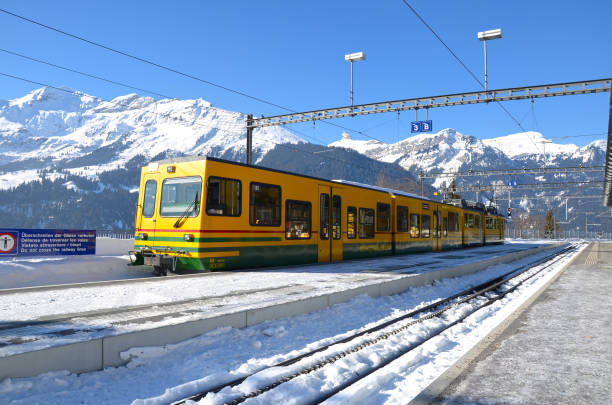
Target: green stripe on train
[(254, 256)]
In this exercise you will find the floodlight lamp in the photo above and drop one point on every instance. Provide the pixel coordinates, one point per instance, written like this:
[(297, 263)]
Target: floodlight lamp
[(355, 57), (490, 34)]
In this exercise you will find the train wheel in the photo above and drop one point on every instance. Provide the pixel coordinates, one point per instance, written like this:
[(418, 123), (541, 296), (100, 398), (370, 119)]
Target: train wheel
[(159, 270)]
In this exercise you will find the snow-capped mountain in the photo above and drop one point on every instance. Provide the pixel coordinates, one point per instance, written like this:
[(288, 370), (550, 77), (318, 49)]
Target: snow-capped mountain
[(63, 151), (55, 128), (451, 151)]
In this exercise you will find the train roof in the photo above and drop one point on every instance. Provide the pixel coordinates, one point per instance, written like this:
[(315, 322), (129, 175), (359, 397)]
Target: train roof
[(185, 159)]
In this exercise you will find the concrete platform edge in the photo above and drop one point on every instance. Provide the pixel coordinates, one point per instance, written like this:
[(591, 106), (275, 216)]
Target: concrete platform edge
[(430, 395), (106, 352)]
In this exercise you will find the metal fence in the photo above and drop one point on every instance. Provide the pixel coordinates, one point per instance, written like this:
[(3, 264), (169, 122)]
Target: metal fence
[(538, 234)]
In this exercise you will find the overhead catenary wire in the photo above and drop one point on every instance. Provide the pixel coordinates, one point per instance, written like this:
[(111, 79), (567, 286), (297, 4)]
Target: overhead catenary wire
[(172, 70)]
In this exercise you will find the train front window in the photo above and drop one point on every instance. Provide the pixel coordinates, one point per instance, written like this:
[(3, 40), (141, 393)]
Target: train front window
[(223, 197), (148, 205), (351, 222), (180, 197), (265, 205), (383, 217), (366, 223), (425, 226), (298, 219)]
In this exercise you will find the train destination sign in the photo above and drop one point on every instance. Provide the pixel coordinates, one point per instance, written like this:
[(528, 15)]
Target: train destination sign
[(47, 242)]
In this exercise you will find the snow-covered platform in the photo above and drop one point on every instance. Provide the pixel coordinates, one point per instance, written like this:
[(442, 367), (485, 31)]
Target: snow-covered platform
[(230, 299), (556, 351)]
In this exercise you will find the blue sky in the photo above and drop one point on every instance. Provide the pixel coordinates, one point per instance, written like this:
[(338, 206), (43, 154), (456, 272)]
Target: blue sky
[(292, 54)]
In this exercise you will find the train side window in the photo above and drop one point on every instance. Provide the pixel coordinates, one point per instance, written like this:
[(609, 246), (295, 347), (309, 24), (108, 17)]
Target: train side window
[(336, 217), (265, 205), (383, 217), (477, 221), (415, 226), (324, 231), (470, 220), (465, 220), (148, 205), (223, 197), (453, 218), (445, 227), (425, 226), (298, 219), (180, 197), (402, 219), (351, 222), (366, 223)]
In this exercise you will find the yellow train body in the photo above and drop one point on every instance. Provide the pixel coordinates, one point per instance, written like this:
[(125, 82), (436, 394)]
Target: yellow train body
[(206, 214)]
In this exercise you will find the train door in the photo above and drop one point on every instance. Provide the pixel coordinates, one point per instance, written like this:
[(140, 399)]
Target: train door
[(324, 239), (437, 234), (148, 206), (336, 224)]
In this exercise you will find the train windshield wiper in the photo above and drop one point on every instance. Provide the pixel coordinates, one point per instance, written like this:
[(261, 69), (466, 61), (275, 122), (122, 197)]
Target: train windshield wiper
[(192, 206)]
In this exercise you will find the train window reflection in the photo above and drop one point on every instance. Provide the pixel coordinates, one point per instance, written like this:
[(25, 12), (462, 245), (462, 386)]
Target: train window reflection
[(223, 197), (180, 197), (415, 226), (425, 226), (351, 222), (336, 217), (402, 219), (148, 205), (366, 223), (324, 228), (298, 219), (383, 217), (265, 205)]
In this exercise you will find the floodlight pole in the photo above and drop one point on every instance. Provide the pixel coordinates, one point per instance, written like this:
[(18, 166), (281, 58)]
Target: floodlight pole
[(354, 57), (484, 36)]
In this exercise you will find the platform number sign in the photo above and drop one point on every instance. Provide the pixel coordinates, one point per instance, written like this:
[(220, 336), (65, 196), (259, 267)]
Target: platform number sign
[(8, 243), (421, 126)]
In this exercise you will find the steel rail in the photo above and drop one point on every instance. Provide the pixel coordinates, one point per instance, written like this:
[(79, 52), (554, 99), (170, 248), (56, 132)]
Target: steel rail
[(470, 292)]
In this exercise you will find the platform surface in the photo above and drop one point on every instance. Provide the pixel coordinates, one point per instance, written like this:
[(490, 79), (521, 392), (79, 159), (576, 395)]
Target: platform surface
[(559, 351)]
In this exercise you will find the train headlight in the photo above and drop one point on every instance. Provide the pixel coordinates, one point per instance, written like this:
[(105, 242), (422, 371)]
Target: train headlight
[(143, 236), (188, 237), (171, 169)]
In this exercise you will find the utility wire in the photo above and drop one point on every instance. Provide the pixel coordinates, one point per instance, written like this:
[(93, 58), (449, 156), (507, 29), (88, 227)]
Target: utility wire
[(86, 74), (169, 69)]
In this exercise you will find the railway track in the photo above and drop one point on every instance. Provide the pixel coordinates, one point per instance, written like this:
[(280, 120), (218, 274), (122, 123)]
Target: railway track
[(473, 299)]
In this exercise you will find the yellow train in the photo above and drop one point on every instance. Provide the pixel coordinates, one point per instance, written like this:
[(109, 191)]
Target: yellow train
[(200, 213)]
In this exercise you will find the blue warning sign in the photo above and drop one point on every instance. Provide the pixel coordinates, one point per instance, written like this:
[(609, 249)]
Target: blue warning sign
[(47, 242)]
